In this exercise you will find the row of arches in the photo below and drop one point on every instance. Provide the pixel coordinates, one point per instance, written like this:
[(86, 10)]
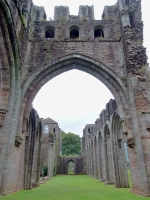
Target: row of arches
[(105, 152), (74, 32)]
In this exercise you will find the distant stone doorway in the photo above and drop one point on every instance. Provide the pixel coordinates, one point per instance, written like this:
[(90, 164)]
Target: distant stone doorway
[(71, 167)]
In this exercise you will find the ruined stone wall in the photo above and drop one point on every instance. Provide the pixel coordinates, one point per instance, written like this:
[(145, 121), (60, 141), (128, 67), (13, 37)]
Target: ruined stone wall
[(78, 162), (51, 147), (104, 151)]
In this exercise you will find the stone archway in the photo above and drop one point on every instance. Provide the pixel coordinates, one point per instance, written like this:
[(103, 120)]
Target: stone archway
[(78, 165), (71, 167)]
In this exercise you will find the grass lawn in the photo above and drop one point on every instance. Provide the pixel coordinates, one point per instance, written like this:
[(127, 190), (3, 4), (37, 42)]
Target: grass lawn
[(73, 187)]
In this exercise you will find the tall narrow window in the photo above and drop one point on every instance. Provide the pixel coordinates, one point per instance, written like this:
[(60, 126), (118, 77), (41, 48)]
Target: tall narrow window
[(98, 32), (74, 32), (50, 32), (46, 128)]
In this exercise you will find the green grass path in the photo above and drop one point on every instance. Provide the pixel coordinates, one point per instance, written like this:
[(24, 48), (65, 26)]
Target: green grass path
[(73, 187)]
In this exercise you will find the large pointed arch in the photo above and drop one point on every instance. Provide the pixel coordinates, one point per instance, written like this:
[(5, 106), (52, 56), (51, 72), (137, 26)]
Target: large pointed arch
[(66, 63)]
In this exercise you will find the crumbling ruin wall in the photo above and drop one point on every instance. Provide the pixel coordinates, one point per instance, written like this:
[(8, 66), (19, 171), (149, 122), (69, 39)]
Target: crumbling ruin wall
[(51, 146), (78, 162), (104, 150)]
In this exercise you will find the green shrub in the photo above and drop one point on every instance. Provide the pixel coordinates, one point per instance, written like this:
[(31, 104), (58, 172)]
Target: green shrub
[(45, 170)]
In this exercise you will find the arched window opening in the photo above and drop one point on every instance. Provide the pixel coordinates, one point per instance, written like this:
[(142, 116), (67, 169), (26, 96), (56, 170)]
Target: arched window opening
[(50, 33), (98, 32), (71, 167), (74, 32), (46, 128)]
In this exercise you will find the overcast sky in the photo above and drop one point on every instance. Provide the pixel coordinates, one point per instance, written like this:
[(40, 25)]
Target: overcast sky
[(75, 98)]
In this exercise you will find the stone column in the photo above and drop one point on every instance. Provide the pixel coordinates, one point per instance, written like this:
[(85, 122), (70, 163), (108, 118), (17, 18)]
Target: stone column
[(50, 159), (91, 159), (94, 160), (98, 158)]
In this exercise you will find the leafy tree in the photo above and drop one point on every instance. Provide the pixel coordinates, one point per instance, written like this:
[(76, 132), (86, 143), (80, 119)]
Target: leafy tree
[(71, 144)]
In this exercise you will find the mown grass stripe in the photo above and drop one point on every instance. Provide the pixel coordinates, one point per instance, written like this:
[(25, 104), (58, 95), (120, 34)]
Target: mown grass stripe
[(72, 187)]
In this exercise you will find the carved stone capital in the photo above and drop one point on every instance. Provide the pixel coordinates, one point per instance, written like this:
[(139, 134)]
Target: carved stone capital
[(130, 142), (2, 116), (18, 141)]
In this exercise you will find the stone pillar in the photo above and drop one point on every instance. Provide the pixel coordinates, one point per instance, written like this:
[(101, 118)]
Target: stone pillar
[(99, 158), (108, 157), (137, 74), (50, 159), (91, 168), (94, 159), (87, 160), (106, 162)]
